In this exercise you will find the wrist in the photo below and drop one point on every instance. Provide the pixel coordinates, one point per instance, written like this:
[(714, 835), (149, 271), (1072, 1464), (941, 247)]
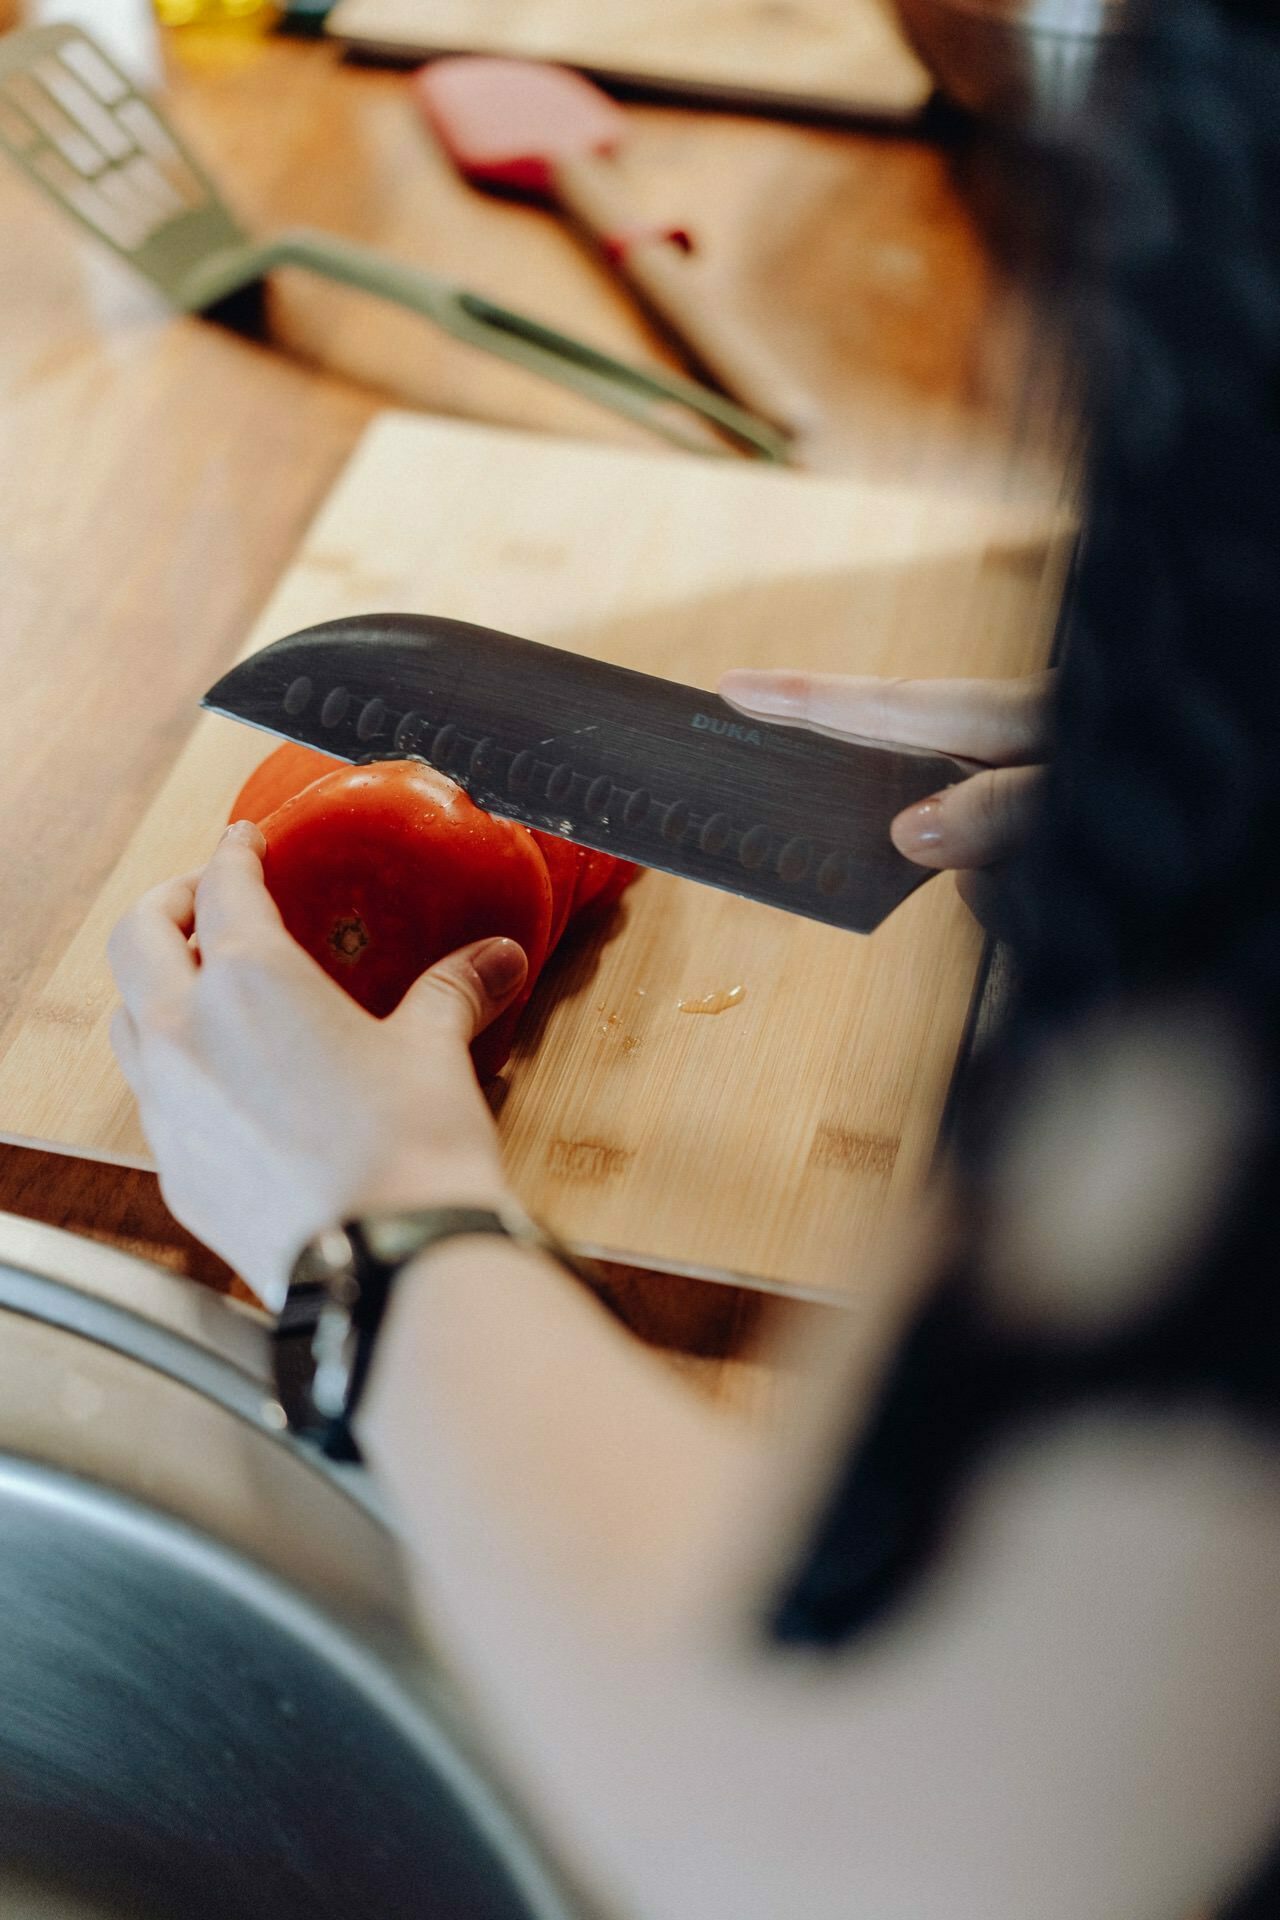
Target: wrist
[(342, 1286), (406, 1183), (472, 1180)]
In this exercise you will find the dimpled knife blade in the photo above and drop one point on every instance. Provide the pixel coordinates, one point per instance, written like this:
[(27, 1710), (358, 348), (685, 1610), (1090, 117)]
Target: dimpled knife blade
[(666, 775)]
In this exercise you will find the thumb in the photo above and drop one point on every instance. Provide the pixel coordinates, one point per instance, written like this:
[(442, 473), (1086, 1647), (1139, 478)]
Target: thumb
[(462, 993), (974, 824)]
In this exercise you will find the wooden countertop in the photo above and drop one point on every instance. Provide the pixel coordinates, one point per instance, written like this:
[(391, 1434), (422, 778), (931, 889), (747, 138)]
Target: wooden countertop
[(158, 472)]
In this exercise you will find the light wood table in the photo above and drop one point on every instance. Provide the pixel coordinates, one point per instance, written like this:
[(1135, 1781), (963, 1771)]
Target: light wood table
[(156, 473)]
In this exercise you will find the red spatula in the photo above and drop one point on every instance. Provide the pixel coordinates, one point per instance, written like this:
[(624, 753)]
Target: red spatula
[(544, 130)]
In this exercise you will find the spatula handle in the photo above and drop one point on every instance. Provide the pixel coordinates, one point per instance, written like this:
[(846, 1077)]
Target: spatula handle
[(650, 395), (675, 286)]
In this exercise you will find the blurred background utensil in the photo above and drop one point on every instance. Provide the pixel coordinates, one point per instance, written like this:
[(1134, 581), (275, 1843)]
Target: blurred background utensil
[(103, 152), (532, 128)]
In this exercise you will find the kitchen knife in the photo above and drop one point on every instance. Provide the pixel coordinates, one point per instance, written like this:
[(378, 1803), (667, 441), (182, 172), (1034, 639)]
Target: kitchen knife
[(666, 775)]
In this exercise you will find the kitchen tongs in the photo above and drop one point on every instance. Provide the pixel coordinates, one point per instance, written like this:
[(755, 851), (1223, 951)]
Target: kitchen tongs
[(80, 129)]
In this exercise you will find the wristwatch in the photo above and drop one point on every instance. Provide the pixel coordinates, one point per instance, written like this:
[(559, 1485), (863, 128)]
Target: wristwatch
[(339, 1290)]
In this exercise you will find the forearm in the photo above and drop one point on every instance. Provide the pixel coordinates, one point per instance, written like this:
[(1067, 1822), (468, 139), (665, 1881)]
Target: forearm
[(532, 1443), (556, 1486), (1081, 1702), (554, 1483)]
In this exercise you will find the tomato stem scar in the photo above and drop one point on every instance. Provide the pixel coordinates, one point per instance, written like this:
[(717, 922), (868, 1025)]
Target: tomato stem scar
[(349, 937)]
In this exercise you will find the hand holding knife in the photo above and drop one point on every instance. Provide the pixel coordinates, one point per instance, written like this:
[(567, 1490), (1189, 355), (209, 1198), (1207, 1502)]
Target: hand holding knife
[(654, 772)]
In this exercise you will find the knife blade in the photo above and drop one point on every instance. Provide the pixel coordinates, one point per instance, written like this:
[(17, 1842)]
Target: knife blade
[(652, 771)]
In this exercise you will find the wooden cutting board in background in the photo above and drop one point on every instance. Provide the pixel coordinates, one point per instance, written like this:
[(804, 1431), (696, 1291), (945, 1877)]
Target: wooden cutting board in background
[(831, 56), (765, 1141)]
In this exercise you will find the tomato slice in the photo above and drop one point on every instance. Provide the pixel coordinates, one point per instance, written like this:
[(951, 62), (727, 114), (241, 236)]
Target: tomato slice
[(379, 871), (602, 880), (564, 861)]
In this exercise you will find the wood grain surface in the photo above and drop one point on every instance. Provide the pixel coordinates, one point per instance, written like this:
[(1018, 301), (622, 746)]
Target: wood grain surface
[(831, 53), (764, 1141), (156, 474)]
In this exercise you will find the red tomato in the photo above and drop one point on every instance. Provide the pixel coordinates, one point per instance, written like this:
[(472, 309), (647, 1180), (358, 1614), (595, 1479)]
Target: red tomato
[(290, 768), (602, 879), (563, 863), (380, 871), (281, 775), (581, 880)]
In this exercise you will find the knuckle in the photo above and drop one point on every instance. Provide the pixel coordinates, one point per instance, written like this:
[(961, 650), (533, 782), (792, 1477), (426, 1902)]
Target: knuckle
[(165, 1024), (454, 985), (919, 712), (893, 697), (451, 994), (243, 957), (169, 900), (966, 825), (234, 983), (991, 803), (998, 804)]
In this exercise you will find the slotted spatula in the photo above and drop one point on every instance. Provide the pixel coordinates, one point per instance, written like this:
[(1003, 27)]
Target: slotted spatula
[(529, 127), (104, 153)]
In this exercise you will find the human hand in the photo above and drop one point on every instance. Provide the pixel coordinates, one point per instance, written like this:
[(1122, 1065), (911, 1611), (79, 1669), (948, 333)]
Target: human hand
[(272, 1103), (971, 826)]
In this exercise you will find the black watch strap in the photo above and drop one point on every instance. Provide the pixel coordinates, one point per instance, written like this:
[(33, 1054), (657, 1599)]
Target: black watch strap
[(338, 1294)]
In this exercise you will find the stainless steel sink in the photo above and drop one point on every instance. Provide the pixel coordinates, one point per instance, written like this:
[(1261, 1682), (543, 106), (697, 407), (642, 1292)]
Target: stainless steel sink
[(213, 1698)]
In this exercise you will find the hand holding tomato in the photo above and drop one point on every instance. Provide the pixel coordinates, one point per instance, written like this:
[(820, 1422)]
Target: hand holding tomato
[(273, 1103), (381, 870), (296, 1034)]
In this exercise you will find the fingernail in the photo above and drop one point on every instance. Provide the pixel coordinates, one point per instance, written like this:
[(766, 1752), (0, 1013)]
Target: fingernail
[(501, 965), (248, 832), (919, 826)]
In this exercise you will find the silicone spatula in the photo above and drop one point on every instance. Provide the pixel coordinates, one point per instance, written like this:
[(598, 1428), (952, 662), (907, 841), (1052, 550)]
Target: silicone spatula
[(78, 127), (526, 127)]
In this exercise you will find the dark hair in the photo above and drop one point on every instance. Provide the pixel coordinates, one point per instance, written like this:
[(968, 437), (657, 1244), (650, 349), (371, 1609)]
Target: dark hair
[(1153, 868)]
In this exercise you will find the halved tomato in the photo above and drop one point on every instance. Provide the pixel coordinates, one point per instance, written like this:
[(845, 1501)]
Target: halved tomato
[(380, 871)]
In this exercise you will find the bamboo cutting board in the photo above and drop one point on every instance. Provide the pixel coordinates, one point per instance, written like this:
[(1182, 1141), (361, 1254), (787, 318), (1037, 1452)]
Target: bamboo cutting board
[(764, 1141), (829, 56)]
